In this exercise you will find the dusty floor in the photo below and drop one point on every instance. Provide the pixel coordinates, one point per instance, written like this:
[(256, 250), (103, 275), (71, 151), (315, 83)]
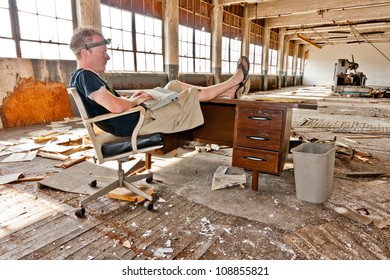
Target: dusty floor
[(191, 221)]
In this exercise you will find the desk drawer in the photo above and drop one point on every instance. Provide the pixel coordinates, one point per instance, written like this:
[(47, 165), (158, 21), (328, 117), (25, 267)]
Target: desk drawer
[(260, 118), (258, 138), (265, 161)]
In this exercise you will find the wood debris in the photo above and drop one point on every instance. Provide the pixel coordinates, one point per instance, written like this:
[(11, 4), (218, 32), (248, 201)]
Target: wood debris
[(344, 151)]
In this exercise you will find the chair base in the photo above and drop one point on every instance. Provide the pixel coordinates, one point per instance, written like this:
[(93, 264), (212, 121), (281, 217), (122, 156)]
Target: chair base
[(119, 182)]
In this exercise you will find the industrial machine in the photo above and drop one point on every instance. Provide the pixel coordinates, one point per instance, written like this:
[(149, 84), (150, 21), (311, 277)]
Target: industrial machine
[(347, 76)]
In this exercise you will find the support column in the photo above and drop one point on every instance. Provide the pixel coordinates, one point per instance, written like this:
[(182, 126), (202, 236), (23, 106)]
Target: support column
[(88, 13), (281, 60), (245, 32), (171, 38), (286, 43), (264, 70), (294, 66), (216, 41)]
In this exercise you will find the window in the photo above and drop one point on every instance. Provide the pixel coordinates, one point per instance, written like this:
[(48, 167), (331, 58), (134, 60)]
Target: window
[(272, 61), (256, 48), (186, 54), (202, 51), (117, 25), (256, 58), (289, 65), (231, 41), (149, 43), (299, 61), (135, 28), (194, 36), (7, 43), (51, 21)]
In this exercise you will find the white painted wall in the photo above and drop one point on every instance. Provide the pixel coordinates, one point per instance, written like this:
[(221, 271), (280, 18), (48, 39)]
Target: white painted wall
[(319, 69)]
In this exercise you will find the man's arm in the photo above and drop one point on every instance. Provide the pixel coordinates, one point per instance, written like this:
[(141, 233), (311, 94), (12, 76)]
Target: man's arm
[(117, 104)]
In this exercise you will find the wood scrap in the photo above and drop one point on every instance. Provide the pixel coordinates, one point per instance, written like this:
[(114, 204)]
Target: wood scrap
[(365, 174), (53, 155), (128, 195), (72, 161), (30, 179), (363, 137)]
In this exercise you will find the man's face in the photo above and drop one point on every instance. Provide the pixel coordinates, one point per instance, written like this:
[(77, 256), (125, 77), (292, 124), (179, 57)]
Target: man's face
[(98, 56)]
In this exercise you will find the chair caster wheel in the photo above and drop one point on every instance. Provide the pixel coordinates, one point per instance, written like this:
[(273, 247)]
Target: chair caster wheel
[(149, 180), (93, 184), (80, 213), (148, 205)]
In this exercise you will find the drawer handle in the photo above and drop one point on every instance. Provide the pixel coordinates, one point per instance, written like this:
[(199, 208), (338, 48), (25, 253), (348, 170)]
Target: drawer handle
[(258, 138), (256, 118), (254, 158)]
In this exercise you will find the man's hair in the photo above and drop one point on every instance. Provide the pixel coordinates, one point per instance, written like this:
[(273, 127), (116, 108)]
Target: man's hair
[(81, 36)]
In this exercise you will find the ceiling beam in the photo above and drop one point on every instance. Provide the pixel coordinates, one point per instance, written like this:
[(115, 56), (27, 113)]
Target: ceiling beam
[(287, 7), (331, 17)]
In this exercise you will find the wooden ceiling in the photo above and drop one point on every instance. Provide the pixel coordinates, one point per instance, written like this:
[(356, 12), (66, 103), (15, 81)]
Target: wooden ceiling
[(324, 22)]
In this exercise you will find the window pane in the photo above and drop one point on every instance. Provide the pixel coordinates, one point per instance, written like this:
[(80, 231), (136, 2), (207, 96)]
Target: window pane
[(139, 24), (46, 7), (65, 28), (150, 24), (140, 43), (129, 61), (117, 60), (50, 51), (150, 62), (127, 41), (28, 26), (116, 18), (141, 62), (63, 9), (116, 36), (5, 29), (105, 15), (126, 20), (159, 63), (4, 4), (30, 49), (66, 53), (27, 6), (158, 27), (7, 47), (47, 29)]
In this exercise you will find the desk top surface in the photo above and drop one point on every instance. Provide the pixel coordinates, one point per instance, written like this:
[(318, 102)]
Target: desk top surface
[(271, 101)]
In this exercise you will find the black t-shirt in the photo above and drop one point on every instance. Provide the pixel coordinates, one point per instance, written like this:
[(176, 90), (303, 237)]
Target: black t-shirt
[(87, 82)]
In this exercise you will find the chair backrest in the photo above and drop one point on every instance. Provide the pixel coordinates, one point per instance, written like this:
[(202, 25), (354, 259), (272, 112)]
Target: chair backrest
[(88, 125)]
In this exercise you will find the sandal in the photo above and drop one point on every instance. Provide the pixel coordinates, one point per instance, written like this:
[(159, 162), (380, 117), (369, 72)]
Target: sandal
[(243, 89), (244, 69)]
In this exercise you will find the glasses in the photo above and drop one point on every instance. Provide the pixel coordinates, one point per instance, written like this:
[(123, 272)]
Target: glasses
[(89, 46), (96, 44)]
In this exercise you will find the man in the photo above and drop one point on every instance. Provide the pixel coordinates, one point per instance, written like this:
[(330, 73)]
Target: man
[(90, 48)]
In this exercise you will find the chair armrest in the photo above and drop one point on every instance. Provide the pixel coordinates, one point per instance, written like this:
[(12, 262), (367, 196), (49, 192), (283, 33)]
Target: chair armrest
[(114, 115)]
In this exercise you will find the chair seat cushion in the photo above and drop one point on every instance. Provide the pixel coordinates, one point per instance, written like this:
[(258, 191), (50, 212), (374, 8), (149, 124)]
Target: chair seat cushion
[(123, 144)]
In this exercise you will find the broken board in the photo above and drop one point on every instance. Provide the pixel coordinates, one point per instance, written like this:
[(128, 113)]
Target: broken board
[(127, 195)]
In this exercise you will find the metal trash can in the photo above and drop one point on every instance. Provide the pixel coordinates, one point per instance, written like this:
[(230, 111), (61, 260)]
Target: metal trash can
[(313, 171)]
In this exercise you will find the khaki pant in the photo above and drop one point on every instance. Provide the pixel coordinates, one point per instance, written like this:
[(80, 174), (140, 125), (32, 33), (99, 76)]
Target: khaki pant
[(183, 114)]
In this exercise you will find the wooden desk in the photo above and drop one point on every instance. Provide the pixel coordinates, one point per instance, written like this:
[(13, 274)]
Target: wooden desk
[(258, 131)]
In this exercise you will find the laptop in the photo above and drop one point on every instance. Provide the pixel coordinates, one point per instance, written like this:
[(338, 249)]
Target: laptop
[(161, 98)]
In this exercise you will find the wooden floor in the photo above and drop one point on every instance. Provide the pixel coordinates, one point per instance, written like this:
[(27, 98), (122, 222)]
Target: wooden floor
[(38, 227)]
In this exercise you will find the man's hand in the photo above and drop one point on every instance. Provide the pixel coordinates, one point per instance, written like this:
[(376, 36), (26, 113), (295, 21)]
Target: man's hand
[(140, 97)]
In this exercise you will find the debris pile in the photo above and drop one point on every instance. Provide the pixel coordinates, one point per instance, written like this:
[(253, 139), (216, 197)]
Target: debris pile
[(68, 146)]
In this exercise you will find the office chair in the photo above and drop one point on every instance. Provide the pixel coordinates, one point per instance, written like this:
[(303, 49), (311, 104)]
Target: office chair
[(109, 147)]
